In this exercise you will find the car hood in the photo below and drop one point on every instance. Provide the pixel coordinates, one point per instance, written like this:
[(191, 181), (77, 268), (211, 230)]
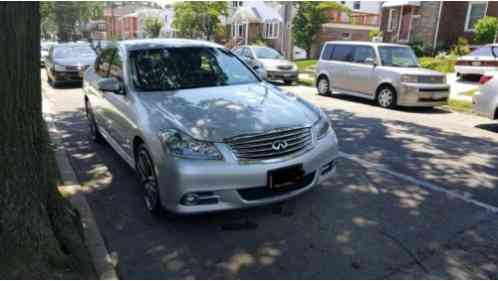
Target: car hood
[(218, 113), (275, 62), (75, 61)]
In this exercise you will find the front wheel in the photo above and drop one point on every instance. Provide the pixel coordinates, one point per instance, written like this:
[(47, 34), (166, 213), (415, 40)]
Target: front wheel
[(95, 134), (386, 97), (323, 86), (148, 179)]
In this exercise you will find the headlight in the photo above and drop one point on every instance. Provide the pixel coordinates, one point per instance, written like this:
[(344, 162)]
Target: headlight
[(183, 146), (409, 78), (59, 67), (322, 127)]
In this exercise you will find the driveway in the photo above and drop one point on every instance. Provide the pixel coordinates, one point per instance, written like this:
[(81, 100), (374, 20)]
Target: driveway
[(411, 187)]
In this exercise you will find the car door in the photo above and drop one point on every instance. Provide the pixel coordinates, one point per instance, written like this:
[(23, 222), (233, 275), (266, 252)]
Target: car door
[(100, 71), (340, 65), (362, 70), (119, 106)]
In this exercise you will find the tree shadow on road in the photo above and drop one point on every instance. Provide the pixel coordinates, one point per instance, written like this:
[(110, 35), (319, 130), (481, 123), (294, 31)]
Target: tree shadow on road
[(361, 224)]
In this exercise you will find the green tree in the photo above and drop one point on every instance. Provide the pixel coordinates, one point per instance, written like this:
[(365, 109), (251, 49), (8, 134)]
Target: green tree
[(309, 19), (40, 237), (461, 48), (486, 30), (374, 33), (69, 17), (152, 26), (199, 19)]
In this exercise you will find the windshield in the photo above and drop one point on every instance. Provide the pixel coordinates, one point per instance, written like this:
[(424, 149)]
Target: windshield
[(484, 51), (72, 52), (267, 53), (398, 56), (191, 67)]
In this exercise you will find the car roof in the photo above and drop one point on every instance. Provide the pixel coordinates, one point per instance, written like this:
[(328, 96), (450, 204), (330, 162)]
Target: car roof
[(71, 45), (373, 44), (140, 44)]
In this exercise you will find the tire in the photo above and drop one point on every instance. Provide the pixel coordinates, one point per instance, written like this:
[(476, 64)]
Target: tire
[(323, 86), (146, 173), (95, 134), (386, 97)]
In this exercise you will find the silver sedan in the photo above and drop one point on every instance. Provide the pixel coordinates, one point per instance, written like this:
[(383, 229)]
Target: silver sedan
[(202, 130)]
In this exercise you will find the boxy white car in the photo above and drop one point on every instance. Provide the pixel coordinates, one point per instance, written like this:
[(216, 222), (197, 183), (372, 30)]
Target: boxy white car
[(386, 73)]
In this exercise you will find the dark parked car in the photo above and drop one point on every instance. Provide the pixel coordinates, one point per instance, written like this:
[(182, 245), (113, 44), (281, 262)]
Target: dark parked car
[(68, 62)]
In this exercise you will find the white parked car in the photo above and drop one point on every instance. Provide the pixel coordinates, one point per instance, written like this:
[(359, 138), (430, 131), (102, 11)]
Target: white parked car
[(299, 54), (478, 62), (486, 100)]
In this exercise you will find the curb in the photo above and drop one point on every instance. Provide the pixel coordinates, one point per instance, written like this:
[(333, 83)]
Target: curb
[(102, 261)]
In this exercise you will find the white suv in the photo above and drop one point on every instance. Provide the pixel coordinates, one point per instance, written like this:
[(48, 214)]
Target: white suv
[(386, 73)]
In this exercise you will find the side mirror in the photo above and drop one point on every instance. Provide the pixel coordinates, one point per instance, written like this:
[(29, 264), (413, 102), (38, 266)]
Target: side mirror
[(111, 85), (370, 61), (494, 51), (260, 71)]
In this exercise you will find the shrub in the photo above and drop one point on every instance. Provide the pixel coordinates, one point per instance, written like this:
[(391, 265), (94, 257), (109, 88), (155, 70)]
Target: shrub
[(441, 64), (486, 30), (418, 48), (461, 48), (374, 33)]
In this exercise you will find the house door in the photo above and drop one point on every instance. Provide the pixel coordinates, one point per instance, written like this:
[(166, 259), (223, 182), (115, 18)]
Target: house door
[(406, 18)]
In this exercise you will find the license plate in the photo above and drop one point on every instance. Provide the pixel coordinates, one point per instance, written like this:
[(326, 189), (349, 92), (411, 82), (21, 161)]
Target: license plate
[(282, 178), (439, 95), (476, 63)]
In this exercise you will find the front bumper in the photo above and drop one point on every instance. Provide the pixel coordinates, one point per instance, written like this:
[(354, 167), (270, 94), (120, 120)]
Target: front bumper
[(287, 75), (226, 185), (475, 70), (69, 76), (424, 95)]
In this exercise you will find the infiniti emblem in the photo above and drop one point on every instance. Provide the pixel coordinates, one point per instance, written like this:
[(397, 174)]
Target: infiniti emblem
[(279, 145)]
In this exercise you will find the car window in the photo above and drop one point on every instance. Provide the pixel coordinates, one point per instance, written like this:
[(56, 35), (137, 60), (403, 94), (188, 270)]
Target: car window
[(361, 53), (103, 62), (484, 51), (327, 52), (167, 69), (116, 69), (343, 53), (398, 56), (267, 53), (71, 52)]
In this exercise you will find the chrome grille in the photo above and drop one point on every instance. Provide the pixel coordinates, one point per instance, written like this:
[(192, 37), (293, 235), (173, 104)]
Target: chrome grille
[(428, 79), (264, 146), (284, 67)]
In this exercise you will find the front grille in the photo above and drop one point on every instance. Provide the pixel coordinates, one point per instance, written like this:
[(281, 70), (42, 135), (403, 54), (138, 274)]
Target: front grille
[(264, 146), (284, 67), (72, 68), (429, 79), (434, 90), (257, 193)]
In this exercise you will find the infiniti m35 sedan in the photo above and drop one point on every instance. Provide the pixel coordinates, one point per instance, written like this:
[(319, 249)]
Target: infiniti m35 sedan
[(201, 128)]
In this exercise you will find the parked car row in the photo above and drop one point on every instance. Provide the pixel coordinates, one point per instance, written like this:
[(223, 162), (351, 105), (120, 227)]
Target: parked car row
[(478, 62)]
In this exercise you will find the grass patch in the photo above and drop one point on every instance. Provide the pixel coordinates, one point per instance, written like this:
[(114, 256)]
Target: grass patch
[(306, 82), (306, 65), (441, 64), (460, 105), (469, 93)]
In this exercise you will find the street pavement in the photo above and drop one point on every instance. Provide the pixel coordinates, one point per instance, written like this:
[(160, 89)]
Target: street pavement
[(414, 197)]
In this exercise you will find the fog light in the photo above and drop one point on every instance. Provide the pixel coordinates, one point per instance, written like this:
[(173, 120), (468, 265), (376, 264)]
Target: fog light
[(190, 199)]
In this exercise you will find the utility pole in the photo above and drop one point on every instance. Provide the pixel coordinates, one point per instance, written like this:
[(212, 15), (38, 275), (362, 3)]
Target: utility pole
[(287, 45)]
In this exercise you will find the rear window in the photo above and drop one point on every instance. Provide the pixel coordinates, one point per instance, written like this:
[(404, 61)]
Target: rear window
[(484, 51), (343, 53)]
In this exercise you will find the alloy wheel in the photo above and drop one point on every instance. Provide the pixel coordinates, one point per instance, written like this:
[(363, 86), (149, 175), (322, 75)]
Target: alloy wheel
[(323, 86), (147, 177), (385, 98)]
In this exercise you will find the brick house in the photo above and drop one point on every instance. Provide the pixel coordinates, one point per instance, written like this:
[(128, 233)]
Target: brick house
[(355, 26), (435, 24)]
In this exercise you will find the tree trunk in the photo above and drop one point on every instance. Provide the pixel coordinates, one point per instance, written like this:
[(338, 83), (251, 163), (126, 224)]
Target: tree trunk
[(38, 236)]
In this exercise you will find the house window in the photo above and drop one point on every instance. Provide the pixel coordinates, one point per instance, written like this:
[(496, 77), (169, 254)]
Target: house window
[(270, 30), (392, 20), (475, 12), (237, 30), (236, 4), (356, 5)]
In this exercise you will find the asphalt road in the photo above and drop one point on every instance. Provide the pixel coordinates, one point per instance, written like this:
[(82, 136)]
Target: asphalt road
[(381, 221)]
